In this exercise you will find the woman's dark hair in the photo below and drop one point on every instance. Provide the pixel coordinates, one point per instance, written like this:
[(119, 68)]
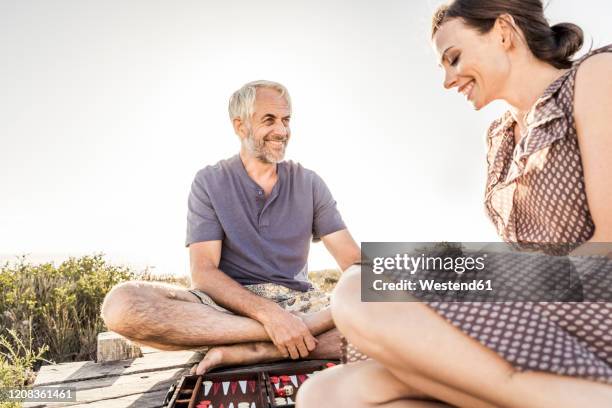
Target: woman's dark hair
[(555, 45)]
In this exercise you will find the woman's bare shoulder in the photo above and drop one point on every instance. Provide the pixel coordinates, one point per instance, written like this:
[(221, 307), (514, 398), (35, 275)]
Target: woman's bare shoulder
[(593, 87), (593, 113), (594, 74)]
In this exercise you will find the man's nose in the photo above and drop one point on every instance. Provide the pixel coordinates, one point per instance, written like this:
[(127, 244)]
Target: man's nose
[(450, 79), (281, 129)]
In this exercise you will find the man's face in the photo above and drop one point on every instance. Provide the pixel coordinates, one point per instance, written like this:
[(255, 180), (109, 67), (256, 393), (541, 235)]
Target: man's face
[(268, 130)]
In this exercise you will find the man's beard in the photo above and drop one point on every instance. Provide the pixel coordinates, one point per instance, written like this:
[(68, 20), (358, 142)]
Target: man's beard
[(262, 152)]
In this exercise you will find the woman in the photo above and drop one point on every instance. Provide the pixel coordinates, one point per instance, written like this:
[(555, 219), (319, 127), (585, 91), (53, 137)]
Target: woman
[(549, 163)]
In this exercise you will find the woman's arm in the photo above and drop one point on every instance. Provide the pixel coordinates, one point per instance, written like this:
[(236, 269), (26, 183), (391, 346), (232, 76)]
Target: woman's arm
[(593, 115)]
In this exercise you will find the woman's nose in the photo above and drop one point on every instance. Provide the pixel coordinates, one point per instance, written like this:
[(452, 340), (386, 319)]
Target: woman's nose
[(450, 79)]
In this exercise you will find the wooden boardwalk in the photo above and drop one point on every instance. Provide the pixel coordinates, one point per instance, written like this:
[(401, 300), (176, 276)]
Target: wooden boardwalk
[(138, 382)]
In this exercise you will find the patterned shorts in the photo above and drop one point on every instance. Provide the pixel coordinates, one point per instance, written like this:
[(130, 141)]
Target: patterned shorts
[(289, 299)]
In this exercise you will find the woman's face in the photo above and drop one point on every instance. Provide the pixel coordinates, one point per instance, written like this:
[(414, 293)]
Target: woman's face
[(476, 64)]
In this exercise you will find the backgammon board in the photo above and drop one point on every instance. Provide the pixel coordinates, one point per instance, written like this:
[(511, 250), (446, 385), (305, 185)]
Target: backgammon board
[(261, 386)]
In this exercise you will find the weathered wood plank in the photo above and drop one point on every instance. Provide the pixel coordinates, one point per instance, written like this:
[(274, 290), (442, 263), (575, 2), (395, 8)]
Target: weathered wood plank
[(130, 388), (144, 388), (113, 346), (145, 400), (149, 350), (86, 370)]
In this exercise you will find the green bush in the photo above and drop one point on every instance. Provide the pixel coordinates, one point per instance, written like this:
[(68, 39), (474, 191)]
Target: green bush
[(52, 314), (17, 362), (18, 359), (60, 304)]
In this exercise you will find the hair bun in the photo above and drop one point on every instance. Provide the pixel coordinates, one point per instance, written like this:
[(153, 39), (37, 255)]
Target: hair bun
[(569, 38), (554, 45)]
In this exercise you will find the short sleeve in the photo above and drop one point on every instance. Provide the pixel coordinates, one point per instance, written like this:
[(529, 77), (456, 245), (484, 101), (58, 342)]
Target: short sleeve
[(202, 221), (327, 218)]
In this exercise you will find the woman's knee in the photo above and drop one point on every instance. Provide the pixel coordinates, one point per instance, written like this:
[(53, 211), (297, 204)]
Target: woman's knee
[(309, 394), (362, 384), (313, 393), (362, 322), (346, 296), (352, 316)]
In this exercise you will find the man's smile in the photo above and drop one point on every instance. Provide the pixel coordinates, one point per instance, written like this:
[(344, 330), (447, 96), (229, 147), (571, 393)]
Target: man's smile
[(276, 143)]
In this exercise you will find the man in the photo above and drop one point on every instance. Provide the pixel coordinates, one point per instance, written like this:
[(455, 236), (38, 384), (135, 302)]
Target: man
[(249, 226)]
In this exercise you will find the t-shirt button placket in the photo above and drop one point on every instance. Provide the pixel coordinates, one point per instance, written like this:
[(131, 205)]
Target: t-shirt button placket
[(260, 203)]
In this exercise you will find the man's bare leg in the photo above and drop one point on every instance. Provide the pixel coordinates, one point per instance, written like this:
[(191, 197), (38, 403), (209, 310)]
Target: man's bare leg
[(328, 347), (427, 353), (170, 317)]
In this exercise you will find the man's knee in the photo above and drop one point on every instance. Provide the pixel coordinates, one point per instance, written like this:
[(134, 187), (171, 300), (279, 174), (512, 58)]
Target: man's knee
[(117, 304)]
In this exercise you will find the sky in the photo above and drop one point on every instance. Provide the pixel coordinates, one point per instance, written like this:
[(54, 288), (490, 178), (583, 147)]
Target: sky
[(109, 108)]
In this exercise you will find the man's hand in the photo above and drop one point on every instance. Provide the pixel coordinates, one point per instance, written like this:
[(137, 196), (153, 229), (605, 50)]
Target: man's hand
[(288, 333)]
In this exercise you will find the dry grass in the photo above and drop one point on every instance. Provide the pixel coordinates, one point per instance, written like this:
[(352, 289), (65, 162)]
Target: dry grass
[(326, 279)]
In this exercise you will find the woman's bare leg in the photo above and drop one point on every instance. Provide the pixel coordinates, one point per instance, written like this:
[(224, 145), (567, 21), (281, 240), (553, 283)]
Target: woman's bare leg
[(361, 384), (424, 351)]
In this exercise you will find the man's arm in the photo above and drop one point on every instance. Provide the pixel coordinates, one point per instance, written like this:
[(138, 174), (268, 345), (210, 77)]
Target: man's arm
[(328, 226), (287, 331), (343, 248)]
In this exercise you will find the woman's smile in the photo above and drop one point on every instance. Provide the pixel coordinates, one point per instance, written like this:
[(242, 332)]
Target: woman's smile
[(466, 89)]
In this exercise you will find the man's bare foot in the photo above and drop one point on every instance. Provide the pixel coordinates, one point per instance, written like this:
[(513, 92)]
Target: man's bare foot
[(328, 347), (237, 354)]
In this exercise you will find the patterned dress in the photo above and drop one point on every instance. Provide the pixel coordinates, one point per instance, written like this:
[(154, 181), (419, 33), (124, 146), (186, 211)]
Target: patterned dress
[(535, 193)]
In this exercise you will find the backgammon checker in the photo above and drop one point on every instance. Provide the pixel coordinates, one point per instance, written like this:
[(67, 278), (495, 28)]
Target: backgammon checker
[(261, 386)]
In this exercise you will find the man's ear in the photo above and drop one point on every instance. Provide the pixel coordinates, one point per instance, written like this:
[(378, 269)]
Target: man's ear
[(240, 128), (507, 31)]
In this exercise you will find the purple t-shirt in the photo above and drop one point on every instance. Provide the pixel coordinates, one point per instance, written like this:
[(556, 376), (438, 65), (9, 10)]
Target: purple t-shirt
[(264, 239)]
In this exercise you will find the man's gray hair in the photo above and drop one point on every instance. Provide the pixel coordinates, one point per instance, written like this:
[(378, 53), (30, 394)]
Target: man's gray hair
[(242, 102)]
